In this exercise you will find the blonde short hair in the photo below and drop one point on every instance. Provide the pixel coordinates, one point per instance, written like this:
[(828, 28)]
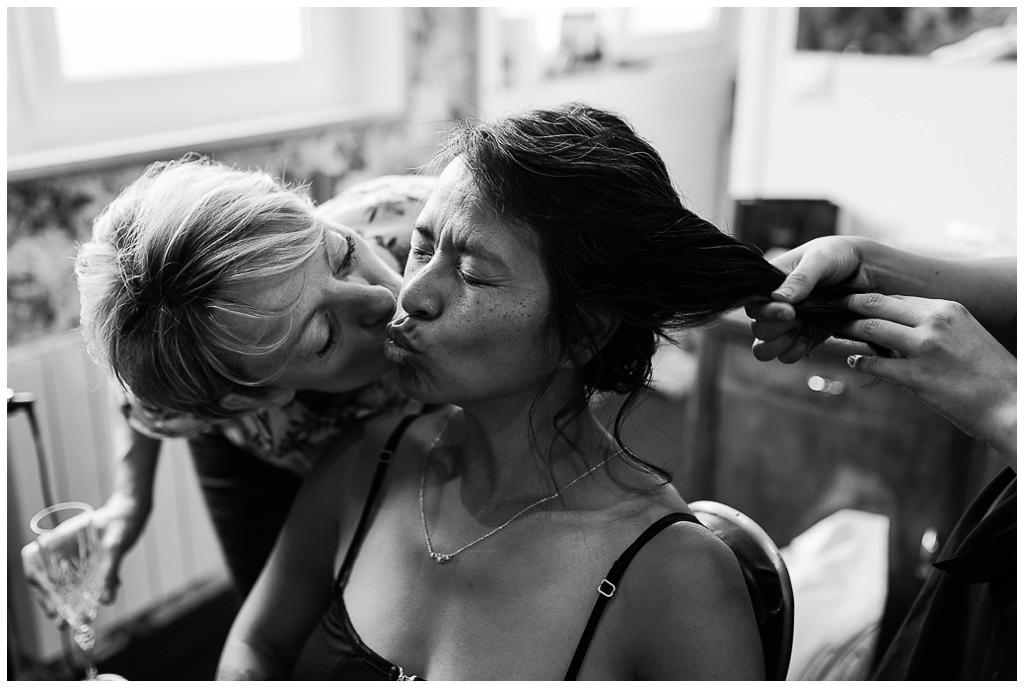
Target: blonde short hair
[(153, 277)]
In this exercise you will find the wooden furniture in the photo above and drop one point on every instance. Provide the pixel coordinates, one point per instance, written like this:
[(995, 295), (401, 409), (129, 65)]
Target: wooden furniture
[(790, 444)]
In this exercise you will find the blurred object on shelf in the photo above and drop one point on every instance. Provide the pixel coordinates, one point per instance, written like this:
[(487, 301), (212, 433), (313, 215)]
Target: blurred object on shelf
[(783, 222), (580, 43), (547, 42)]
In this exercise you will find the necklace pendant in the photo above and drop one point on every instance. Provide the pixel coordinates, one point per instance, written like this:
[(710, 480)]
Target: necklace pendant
[(440, 558)]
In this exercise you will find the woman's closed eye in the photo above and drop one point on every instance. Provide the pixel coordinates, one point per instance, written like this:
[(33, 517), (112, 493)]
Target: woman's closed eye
[(332, 338), (422, 251), (420, 255), (339, 269), (470, 278), (349, 256), (422, 245)]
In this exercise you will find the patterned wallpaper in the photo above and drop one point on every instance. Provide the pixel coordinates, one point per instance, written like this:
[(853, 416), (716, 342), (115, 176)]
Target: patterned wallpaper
[(47, 216)]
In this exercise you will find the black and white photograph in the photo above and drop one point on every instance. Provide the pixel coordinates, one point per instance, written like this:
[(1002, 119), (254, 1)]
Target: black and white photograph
[(526, 343)]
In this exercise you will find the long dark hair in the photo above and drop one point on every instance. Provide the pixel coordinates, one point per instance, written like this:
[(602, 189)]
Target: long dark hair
[(616, 238)]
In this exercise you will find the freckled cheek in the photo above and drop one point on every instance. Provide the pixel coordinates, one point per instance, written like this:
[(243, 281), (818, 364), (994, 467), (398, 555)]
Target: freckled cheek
[(495, 334)]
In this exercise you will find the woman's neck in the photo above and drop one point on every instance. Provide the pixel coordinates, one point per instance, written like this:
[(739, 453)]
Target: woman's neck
[(511, 456)]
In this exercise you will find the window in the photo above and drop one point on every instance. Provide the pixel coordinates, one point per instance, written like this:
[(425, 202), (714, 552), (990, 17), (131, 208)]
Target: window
[(119, 42), (107, 83)]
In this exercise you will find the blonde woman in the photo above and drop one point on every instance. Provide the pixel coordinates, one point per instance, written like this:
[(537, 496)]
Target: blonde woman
[(233, 312)]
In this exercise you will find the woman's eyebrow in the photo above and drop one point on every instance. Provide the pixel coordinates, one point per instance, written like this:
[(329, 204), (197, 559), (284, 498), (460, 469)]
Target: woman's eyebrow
[(467, 245), (464, 242), (425, 231)]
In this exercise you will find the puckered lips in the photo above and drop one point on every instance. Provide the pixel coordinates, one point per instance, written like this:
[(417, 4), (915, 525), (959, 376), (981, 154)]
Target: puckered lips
[(398, 346)]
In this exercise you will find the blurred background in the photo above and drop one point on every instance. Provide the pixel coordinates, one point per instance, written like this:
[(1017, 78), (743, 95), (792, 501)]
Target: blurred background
[(777, 124)]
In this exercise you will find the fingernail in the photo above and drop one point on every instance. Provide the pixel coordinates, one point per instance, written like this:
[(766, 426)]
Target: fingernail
[(852, 361), (782, 293)]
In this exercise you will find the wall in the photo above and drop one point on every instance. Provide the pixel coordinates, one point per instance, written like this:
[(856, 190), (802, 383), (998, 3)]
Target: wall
[(916, 153)]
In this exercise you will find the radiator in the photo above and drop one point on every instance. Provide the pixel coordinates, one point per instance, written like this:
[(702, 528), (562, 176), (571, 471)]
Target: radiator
[(77, 414)]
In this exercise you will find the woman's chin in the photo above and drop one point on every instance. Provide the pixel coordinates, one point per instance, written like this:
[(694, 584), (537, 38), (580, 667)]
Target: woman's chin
[(410, 381), (369, 371)]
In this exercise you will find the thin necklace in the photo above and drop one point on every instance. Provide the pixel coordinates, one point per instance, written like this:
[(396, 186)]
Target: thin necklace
[(442, 558)]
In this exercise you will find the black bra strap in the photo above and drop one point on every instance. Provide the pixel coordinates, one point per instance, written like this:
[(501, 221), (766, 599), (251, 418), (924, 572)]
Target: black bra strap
[(383, 461), (607, 586)]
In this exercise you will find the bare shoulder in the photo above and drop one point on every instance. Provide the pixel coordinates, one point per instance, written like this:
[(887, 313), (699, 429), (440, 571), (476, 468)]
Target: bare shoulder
[(690, 608), (686, 560)]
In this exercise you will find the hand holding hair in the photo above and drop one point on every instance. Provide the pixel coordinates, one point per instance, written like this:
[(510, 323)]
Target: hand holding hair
[(824, 262), (947, 360)]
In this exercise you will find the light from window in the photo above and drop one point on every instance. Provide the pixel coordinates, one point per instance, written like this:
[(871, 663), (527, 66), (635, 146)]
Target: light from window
[(118, 42)]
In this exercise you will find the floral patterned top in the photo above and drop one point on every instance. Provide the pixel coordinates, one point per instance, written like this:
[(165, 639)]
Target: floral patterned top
[(294, 436)]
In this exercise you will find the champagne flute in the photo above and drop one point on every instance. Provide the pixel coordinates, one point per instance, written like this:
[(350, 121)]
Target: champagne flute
[(69, 553)]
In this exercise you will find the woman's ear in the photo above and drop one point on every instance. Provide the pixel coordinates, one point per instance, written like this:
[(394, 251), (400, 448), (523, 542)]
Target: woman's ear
[(605, 325), (260, 397), (602, 326)]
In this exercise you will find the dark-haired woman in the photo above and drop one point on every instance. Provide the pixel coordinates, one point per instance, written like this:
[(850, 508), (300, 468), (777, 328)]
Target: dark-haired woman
[(513, 537)]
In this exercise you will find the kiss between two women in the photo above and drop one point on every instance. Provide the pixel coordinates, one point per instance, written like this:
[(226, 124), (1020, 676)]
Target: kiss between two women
[(473, 537)]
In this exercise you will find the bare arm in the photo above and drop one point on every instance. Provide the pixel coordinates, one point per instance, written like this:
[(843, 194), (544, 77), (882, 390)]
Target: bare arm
[(123, 516), (987, 287)]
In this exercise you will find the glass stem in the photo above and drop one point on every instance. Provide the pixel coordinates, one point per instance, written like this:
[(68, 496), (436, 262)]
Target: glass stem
[(85, 638)]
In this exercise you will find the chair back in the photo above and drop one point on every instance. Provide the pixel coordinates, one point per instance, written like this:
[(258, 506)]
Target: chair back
[(766, 576)]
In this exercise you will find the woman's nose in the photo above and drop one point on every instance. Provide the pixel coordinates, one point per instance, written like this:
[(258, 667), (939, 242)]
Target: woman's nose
[(420, 297), (380, 307), (370, 305)]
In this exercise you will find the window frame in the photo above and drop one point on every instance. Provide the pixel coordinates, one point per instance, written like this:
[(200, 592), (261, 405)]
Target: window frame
[(353, 70)]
